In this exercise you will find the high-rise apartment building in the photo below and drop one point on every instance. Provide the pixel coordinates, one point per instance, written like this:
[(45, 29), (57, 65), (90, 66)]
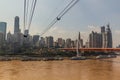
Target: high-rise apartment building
[(60, 42), (95, 40), (109, 37), (101, 40), (106, 37), (10, 38), (35, 39), (42, 42), (68, 43), (49, 42), (1, 38)]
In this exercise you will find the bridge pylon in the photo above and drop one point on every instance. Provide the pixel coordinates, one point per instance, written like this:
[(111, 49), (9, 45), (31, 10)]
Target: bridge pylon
[(79, 45)]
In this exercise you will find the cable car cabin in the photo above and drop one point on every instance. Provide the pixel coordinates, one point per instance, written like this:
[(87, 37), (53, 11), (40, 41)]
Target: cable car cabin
[(25, 36), (58, 18), (26, 33)]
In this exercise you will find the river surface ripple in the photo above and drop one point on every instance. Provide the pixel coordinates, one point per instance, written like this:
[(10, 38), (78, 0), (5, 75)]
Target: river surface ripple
[(105, 69)]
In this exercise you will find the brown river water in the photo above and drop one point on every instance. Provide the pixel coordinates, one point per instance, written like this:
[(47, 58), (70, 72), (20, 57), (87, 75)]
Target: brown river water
[(105, 69)]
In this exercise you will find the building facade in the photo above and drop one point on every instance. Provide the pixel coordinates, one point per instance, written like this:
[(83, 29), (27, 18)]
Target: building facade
[(1, 38), (106, 37), (35, 39), (95, 40), (101, 40), (3, 26), (49, 41), (68, 43), (16, 25), (42, 42), (109, 37)]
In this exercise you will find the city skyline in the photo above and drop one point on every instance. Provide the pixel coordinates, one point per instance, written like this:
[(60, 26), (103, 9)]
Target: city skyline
[(83, 17), (101, 39), (17, 31)]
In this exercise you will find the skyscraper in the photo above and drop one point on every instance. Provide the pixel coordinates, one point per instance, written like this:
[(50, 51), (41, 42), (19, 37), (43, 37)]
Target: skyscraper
[(1, 38), (35, 39), (9, 38), (3, 26), (109, 37), (95, 40), (60, 42), (106, 37), (103, 39), (16, 25), (49, 42), (103, 29), (42, 42), (68, 43)]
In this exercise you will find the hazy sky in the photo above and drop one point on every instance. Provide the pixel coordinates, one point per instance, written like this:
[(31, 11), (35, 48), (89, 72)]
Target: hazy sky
[(85, 16)]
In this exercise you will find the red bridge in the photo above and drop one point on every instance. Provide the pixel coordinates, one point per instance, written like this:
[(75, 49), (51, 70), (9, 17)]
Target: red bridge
[(93, 49)]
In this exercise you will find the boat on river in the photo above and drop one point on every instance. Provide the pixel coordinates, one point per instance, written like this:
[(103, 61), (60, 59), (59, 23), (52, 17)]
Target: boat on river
[(78, 58), (105, 56)]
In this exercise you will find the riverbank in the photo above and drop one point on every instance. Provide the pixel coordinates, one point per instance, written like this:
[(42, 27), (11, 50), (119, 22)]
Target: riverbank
[(38, 58)]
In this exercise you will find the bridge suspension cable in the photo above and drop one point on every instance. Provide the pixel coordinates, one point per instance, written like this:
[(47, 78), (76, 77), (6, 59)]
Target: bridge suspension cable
[(60, 15)]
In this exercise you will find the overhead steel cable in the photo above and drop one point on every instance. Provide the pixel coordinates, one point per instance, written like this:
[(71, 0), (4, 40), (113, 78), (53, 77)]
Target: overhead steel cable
[(50, 25), (54, 12), (27, 9), (32, 13), (28, 14), (67, 9), (62, 13), (24, 23)]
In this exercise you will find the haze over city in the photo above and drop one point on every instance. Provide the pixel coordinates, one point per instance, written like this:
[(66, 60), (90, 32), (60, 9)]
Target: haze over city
[(85, 16)]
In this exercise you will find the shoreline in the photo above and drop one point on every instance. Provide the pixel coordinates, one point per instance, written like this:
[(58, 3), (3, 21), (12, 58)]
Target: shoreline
[(56, 58)]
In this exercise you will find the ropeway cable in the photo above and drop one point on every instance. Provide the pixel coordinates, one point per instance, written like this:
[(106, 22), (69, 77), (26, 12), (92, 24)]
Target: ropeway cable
[(28, 15), (32, 13), (24, 22), (62, 13)]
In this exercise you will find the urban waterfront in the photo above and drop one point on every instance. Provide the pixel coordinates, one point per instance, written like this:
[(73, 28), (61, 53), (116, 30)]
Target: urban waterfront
[(101, 69), (59, 40)]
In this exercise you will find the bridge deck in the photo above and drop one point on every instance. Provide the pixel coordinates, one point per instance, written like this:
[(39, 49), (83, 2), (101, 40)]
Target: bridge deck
[(93, 49)]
